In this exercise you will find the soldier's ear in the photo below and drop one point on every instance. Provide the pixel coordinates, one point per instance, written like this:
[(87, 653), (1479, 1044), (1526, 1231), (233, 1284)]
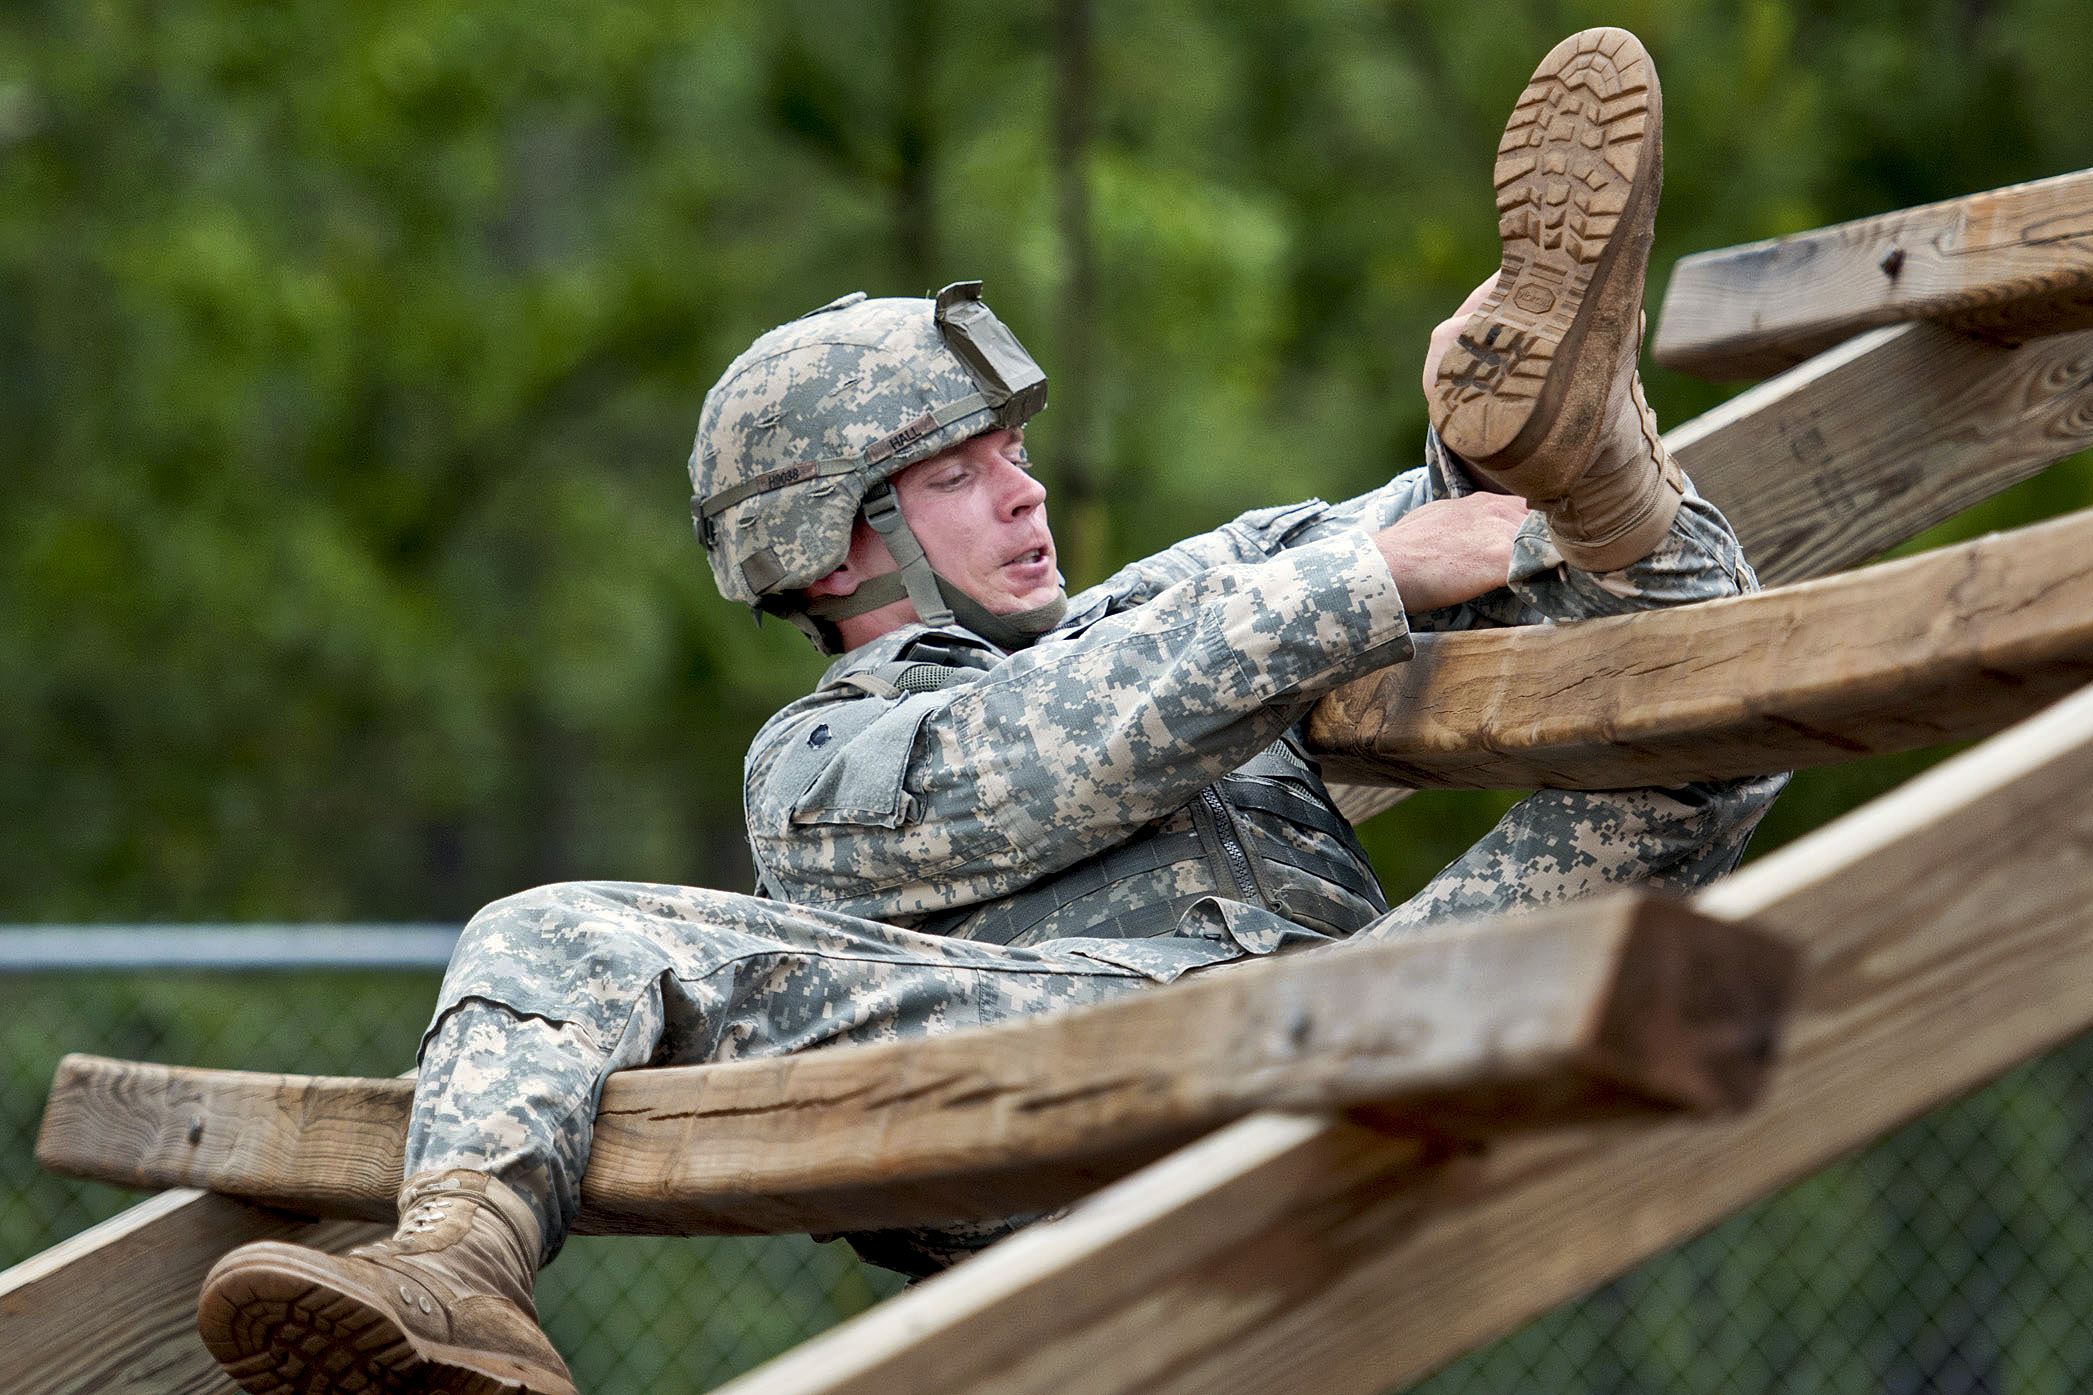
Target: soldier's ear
[(840, 582), (867, 558)]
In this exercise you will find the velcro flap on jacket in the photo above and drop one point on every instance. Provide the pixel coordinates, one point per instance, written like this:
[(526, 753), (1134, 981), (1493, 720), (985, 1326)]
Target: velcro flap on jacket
[(860, 760)]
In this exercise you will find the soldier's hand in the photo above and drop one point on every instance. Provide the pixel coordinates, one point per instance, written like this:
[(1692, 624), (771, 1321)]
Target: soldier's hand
[(1451, 550), (1449, 330)]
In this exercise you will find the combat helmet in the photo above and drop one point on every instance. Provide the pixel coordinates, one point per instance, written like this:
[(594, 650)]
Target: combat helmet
[(804, 431)]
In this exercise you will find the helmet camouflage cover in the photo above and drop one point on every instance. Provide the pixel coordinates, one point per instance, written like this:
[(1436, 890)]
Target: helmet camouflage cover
[(808, 425)]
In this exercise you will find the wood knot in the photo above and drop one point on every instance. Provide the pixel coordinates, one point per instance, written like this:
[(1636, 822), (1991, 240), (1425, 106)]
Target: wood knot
[(1892, 262)]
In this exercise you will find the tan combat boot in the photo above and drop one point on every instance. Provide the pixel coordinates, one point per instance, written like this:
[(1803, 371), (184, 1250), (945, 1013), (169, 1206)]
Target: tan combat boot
[(443, 1306), (1539, 393)]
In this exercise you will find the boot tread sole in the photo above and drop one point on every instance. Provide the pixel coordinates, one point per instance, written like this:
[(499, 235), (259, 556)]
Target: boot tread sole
[(283, 1327), (1575, 162)]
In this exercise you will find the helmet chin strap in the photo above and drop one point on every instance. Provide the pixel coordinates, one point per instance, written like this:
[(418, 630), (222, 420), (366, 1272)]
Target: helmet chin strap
[(883, 512), (1014, 631), (937, 601)]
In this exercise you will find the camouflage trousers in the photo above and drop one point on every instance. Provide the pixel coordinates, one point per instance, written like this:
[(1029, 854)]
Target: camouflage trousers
[(551, 990)]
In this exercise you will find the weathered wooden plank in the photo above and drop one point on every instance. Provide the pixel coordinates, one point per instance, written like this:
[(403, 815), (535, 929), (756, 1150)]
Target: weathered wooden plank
[(1951, 645), (1878, 440), (1850, 454), (1949, 935), (2010, 264), (112, 1311), (1573, 1016)]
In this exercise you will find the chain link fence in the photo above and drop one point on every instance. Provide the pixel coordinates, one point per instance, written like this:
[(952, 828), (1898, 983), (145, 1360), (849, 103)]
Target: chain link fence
[(630, 1314), (1954, 1256)]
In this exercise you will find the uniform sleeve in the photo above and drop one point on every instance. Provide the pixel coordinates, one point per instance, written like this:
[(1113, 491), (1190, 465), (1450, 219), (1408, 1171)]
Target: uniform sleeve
[(1266, 532), (1263, 533), (894, 807)]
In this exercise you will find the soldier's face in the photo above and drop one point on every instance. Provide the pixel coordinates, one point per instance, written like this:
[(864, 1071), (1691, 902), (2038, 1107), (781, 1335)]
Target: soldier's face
[(981, 518)]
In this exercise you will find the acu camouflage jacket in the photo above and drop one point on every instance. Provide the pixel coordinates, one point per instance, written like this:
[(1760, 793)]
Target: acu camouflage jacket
[(935, 781)]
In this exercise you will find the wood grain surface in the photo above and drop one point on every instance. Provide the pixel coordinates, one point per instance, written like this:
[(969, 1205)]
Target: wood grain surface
[(1949, 645), (112, 1311), (1864, 447), (1576, 1015), (2010, 265), (1876, 441)]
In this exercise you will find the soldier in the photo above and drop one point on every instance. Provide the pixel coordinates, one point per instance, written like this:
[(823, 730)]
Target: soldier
[(1002, 800)]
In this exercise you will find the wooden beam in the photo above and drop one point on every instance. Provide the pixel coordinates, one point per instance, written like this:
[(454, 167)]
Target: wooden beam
[(2010, 265), (1880, 439), (1950, 645), (112, 1310), (1948, 929), (1572, 1016), (1856, 451), (1597, 1011)]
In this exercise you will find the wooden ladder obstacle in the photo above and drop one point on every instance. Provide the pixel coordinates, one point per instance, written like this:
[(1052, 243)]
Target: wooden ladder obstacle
[(1323, 1172)]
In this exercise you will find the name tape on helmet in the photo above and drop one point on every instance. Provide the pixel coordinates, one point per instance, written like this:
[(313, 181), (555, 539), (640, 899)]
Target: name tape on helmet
[(925, 425)]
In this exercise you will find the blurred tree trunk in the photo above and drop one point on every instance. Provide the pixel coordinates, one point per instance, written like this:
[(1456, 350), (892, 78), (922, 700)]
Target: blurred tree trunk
[(915, 146), (1078, 504)]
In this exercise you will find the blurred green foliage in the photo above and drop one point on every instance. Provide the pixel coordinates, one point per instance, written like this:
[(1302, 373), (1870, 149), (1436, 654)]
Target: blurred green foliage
[(349, 356)]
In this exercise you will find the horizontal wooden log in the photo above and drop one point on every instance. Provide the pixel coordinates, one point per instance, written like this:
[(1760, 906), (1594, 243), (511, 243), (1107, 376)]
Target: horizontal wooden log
[(1876, 441), (1665, 1010), (1577, 1015), (112, 1310), (1948, 930), (1858, 450), (1950, 645), (2010, 264)]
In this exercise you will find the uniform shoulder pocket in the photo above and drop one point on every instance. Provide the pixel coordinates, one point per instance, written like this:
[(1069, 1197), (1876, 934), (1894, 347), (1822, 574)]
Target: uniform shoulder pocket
[(857, 762)]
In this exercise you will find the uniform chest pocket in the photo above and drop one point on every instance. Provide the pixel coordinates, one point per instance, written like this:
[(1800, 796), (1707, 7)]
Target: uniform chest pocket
[(860, 775)]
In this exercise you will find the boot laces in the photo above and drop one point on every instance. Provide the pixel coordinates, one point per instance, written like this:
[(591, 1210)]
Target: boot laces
[(425, 1215)]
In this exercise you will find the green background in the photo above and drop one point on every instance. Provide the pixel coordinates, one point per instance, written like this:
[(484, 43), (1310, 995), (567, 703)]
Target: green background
[(350, 354)]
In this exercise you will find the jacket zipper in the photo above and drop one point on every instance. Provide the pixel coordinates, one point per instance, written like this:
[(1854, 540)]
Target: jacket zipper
[(1217, 828)]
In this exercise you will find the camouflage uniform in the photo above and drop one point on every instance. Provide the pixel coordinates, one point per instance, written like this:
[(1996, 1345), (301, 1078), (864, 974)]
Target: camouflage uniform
[(932, 778)]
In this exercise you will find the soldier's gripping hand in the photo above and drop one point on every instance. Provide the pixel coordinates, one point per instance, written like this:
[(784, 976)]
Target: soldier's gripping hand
[(1451, 550)]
